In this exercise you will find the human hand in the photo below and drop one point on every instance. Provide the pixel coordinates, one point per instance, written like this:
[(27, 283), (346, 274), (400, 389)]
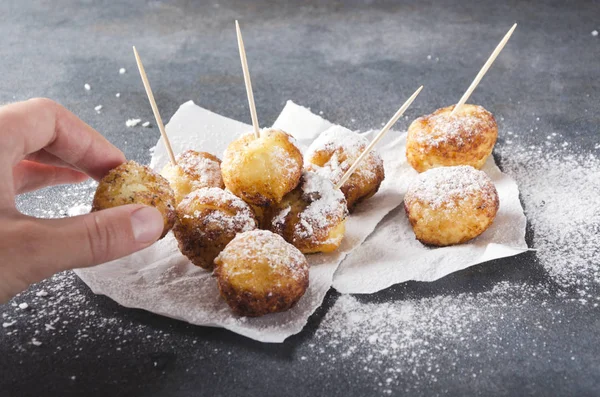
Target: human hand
[(43, 144)]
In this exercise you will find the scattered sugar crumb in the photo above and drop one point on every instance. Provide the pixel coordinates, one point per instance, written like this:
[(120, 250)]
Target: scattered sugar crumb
[(429, 57), (133, 122), (118, 94), (87, 87), (594, 33), (23, 306), (122, 71), (146, 124), (98, 108)]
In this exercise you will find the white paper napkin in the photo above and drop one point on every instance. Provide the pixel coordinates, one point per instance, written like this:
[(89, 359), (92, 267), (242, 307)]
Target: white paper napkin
[(392, 254), (161, 280)]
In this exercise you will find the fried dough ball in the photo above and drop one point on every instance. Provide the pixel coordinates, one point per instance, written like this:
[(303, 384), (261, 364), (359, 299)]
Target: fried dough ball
[(260, 273), (262, 170), (132, 183), (334, 152), (194, 170), (207, 220), (312, 217), (451, 205), (441, 140)]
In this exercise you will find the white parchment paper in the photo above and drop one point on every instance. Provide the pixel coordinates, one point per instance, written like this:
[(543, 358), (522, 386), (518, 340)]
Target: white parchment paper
[(392, 254), (161, 280)]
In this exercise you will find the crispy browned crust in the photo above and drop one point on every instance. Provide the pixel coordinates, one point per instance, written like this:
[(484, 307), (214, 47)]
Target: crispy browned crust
[(194, 170), (294, 232), (358, 189), (201, 239), (458, 221), (113, 191), (470, 145), (361, 185), (261, 294), (275, 182), (245, 303)]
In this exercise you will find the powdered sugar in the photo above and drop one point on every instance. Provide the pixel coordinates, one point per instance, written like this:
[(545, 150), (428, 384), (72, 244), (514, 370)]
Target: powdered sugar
[(220, 201), (442, 187), (326, 204), (458, 130), (253, 246), (204, 169), (340, 147), (559, 190)]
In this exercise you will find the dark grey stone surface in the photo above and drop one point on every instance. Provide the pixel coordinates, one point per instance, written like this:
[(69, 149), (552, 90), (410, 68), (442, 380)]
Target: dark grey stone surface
[(353, 60)]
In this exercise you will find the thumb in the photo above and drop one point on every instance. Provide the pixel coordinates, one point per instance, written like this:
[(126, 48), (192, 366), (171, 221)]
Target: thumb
[(101, 236)]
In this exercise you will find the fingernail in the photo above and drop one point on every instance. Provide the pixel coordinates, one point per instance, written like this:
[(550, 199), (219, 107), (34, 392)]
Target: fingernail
[(147, 224)]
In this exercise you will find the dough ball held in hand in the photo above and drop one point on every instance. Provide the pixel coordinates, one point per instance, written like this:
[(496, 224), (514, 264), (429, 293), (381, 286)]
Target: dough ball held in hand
[(132, 183)]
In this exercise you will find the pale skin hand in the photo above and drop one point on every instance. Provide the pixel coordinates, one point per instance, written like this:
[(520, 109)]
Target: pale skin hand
[(43, 144)]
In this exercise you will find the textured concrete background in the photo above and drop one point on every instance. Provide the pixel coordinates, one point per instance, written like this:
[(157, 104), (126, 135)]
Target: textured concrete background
[(356, 61)]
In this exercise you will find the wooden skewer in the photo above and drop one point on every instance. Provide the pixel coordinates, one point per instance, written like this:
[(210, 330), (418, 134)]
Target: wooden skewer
[(247, 80), (161, 127), (377, 138), (483, 70)]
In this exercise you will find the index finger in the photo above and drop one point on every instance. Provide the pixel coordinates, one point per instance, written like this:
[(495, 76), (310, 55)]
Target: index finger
[(36, 124)]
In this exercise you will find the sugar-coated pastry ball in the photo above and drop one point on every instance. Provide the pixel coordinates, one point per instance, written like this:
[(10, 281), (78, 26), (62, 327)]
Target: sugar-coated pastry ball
[(194, 170), (207, 220), (132, 183), (262, 170), (334, 152), (312, 217), (451, 205), (442, 140), (260, 273)]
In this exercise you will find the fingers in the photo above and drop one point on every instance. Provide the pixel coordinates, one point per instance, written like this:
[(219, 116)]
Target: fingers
[(36, 124), (42, 156), (91, 239), (28, 176)]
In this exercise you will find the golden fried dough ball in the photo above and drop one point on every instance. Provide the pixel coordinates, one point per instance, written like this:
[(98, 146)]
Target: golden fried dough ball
[(312, 217), (451, 205), (334, 152), (194, 170), (262, 170), (260, 273), (132, 183), (439, 140), (207, 220)]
